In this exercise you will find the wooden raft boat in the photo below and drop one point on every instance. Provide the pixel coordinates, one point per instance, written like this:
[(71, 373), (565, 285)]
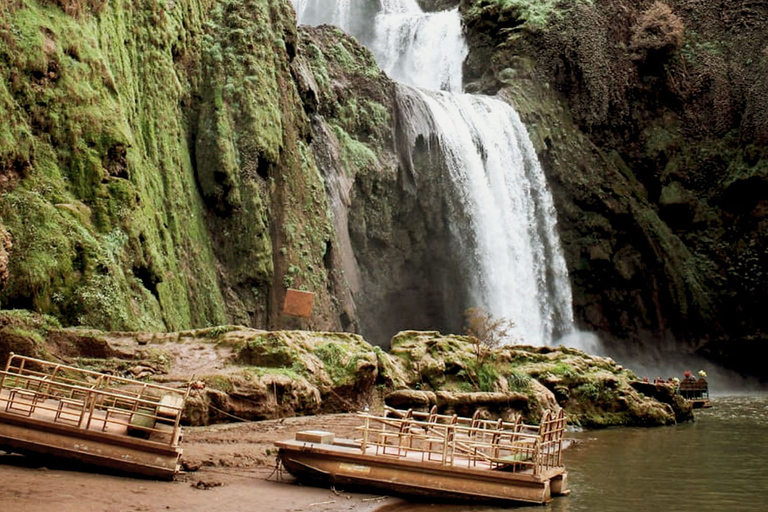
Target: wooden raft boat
[(695, 391), (438, 456), (63, 411)]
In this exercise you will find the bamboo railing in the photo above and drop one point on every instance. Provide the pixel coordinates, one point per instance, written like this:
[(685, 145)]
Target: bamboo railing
[(452, 440), (89, 400)]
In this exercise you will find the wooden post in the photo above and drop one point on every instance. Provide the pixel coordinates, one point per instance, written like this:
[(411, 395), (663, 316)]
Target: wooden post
[(364, 441)]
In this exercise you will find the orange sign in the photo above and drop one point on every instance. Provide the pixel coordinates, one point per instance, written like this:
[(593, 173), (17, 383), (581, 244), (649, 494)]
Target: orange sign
[(298, 303)]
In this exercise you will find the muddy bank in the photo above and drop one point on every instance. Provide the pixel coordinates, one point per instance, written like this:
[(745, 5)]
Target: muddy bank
[(236, 474)]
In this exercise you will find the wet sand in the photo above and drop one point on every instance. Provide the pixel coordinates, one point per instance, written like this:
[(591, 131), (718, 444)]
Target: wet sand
[(236, 473)]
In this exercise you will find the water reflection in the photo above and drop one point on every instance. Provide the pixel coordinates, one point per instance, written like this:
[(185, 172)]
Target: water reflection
[(718, 463)]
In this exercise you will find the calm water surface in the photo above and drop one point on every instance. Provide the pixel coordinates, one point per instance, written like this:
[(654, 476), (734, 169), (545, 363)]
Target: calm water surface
[(718, 463)]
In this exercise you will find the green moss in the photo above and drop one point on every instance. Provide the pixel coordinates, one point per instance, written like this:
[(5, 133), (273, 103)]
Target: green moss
[(22, 332), (28, 318), (220, 382), (87, 104), (267, 350), (562, 369), (334, 359), (292, 373), (487, 376), (356, 156), (215, 332), (535, 13)]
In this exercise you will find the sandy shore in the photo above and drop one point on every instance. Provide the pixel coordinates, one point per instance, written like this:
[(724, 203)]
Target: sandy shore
[(236, 462)]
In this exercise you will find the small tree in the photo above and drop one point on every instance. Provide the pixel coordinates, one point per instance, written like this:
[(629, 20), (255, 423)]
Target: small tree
[(485, 331)]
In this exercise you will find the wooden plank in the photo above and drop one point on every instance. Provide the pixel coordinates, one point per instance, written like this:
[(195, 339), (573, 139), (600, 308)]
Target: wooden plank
[(23, 439)]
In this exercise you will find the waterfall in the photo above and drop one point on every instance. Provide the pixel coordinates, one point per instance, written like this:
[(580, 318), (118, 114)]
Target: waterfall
[(332, 12), (405, 42), (404, 38), (503, 215)]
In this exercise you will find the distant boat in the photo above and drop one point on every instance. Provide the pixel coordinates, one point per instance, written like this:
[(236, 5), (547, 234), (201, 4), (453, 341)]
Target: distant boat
[(67, 412), (696, 391), (439, 456)]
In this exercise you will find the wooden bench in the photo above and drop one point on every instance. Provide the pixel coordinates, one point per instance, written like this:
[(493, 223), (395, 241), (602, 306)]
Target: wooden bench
[(70, 410), (22, 401)]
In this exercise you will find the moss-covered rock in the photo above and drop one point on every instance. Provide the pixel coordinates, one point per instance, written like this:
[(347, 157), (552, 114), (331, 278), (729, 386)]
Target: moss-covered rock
[(594, 391), (252, 374), (22, 332), (154, 166)]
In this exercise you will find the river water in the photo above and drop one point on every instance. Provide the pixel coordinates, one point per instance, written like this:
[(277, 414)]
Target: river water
[(719, 463)]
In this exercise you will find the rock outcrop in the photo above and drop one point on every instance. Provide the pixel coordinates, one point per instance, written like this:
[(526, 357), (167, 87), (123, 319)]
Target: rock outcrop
[(251, 374)]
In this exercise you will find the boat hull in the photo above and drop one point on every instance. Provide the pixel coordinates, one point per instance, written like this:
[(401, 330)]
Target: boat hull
[(343, 466), (129, 455)]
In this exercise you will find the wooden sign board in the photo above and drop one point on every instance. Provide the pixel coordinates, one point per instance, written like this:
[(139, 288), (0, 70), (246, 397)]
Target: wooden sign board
[(298, 303)]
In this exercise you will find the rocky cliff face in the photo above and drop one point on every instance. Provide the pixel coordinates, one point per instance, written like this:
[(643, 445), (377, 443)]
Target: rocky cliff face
[(173, 164), (155, 165), (650, 118), (387, 197)]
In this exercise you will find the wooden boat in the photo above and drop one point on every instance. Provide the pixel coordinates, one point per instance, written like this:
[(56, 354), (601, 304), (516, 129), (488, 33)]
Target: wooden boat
[(64, 411), (438, 456), (695, 391)]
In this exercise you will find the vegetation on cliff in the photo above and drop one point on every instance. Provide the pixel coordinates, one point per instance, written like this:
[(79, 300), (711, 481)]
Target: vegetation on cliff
[(98, 195), (650, 119), (155, 164), (166, 165)]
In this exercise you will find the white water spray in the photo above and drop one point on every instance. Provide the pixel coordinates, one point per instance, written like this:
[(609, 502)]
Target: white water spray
[(406, 43), (505, 218)]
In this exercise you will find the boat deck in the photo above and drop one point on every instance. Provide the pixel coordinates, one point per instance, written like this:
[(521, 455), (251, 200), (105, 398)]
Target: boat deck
[(74, 414), (97, 418), (438, 455)]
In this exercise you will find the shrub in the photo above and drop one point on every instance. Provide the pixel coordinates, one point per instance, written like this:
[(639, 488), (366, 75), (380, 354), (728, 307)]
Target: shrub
[(485, 331), (518, 381), (657, 33)]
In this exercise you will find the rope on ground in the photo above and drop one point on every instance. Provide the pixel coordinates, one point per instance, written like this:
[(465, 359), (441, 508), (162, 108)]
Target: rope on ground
[(209, 469), (199, 392), (351, 406), (278, 471)]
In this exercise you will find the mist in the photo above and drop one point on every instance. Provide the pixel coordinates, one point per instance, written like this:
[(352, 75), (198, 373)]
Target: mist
[(651, 361)]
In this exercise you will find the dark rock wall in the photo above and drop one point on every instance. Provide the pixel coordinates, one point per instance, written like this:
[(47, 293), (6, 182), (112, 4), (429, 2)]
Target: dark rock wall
[(650, 119), (388, 199)]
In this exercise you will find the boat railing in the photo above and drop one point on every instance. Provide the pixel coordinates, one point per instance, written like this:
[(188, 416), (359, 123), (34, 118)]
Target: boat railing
[(93, 401), (692, 388), (453, 440)]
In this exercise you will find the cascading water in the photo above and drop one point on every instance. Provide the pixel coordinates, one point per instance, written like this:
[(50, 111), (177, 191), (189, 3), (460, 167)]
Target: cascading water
[(403, 38), (504, 227), (405, 42)]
